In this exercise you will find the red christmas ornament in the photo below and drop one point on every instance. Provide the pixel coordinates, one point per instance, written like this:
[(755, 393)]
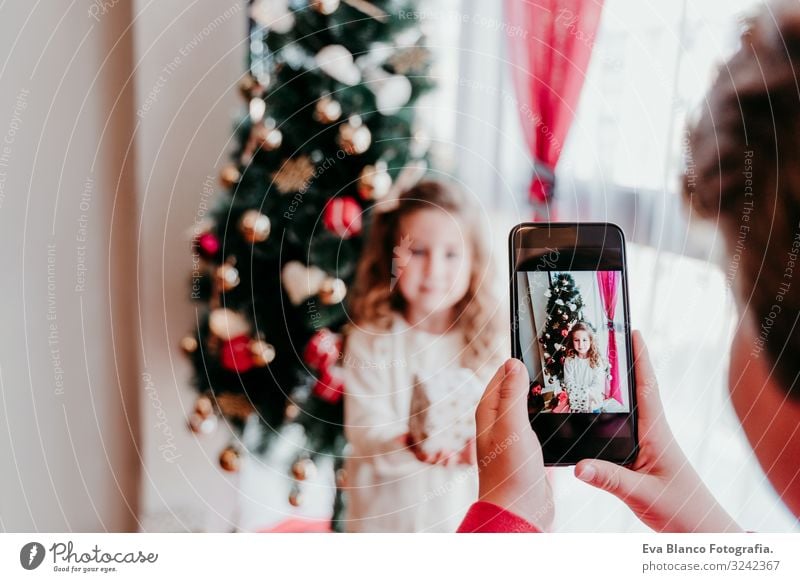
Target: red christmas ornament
[(323, 349), (207, 245), (235, 354), (342, 217), (329, 386), (564, 332)]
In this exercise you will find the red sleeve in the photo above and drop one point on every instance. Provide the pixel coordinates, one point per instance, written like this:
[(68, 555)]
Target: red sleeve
[(485, 517)]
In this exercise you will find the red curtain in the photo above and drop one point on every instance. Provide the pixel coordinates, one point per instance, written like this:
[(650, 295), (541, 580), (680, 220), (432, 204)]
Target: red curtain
[(550, 45), (608, 282)]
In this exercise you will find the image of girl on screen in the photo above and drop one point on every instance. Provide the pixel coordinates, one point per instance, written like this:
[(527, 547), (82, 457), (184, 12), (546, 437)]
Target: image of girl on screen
[(585, 370)]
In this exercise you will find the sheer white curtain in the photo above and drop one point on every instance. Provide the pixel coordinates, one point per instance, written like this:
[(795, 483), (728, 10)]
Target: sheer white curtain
[(651, 65), (652, 62), (473, 115)]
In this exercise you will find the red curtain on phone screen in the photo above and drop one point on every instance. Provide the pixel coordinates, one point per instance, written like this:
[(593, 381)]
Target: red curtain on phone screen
[(550, 42), (608, 282)]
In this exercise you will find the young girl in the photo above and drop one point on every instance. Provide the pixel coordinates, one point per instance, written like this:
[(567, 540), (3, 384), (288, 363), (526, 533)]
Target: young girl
[(585, 370), (422, 310)]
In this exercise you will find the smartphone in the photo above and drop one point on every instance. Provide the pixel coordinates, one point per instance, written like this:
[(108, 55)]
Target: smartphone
[(570, 326)]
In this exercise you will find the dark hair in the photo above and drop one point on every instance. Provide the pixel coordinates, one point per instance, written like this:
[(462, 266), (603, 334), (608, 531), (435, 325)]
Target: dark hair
[(743, 172)]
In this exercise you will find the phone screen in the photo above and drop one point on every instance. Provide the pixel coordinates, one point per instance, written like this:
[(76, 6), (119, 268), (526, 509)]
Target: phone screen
[(570, 328)]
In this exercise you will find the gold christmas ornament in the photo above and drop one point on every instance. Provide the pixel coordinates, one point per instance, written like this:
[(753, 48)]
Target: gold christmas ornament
[(202, 425), (294, 174), (230, 459), (254, 226), (341, 478), (292, 412), (234, 405), (374, 182), (249, 87), (303, 469), (227, 276), (296, 498), (267, 136), (189, 345), (263, 353), (354, 137), (325, 7), (229, 175), (332, 291), (203, 406), (226, 324), (258, 134), (327, 110)]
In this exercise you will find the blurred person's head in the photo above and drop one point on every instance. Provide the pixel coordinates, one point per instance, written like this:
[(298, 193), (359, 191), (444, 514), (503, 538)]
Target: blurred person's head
[(426, 259), (743, 173)]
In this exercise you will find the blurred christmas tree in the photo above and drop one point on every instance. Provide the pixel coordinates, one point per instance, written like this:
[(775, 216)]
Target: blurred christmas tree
[(564, 309), (329, 131)]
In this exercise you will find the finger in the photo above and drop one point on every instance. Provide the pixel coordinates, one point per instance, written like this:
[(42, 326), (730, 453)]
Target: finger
[(472, 453), (512, 412), (616, 479), (420, 454), (487, 407), (648, 400), (463, 456)]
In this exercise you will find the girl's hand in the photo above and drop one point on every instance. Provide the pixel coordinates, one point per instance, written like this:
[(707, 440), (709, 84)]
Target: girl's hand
[(444, 458), (469, 454), (661, 487), (511, 466)]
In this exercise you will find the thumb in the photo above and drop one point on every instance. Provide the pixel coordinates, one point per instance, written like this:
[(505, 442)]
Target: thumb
[(652, 422), (503, 406), (651, 411), (615, 479), (512, 409)]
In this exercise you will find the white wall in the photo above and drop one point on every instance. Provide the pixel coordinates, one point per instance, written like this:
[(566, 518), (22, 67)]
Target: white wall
[(190, 57), (68, 379), (116, 122)]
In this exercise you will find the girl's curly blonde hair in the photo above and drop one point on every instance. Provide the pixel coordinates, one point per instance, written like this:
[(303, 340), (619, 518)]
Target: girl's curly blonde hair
[(375, 298)]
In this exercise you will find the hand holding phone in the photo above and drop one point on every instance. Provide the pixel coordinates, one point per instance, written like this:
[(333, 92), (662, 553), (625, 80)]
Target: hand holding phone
[(661, 487), (510, 464)]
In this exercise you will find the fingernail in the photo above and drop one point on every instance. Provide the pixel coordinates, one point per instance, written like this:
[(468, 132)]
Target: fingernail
[(511, 367), (587, 473)]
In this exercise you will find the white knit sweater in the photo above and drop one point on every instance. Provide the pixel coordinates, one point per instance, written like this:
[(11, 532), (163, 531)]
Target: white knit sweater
[(388, 489), (585, 385)]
